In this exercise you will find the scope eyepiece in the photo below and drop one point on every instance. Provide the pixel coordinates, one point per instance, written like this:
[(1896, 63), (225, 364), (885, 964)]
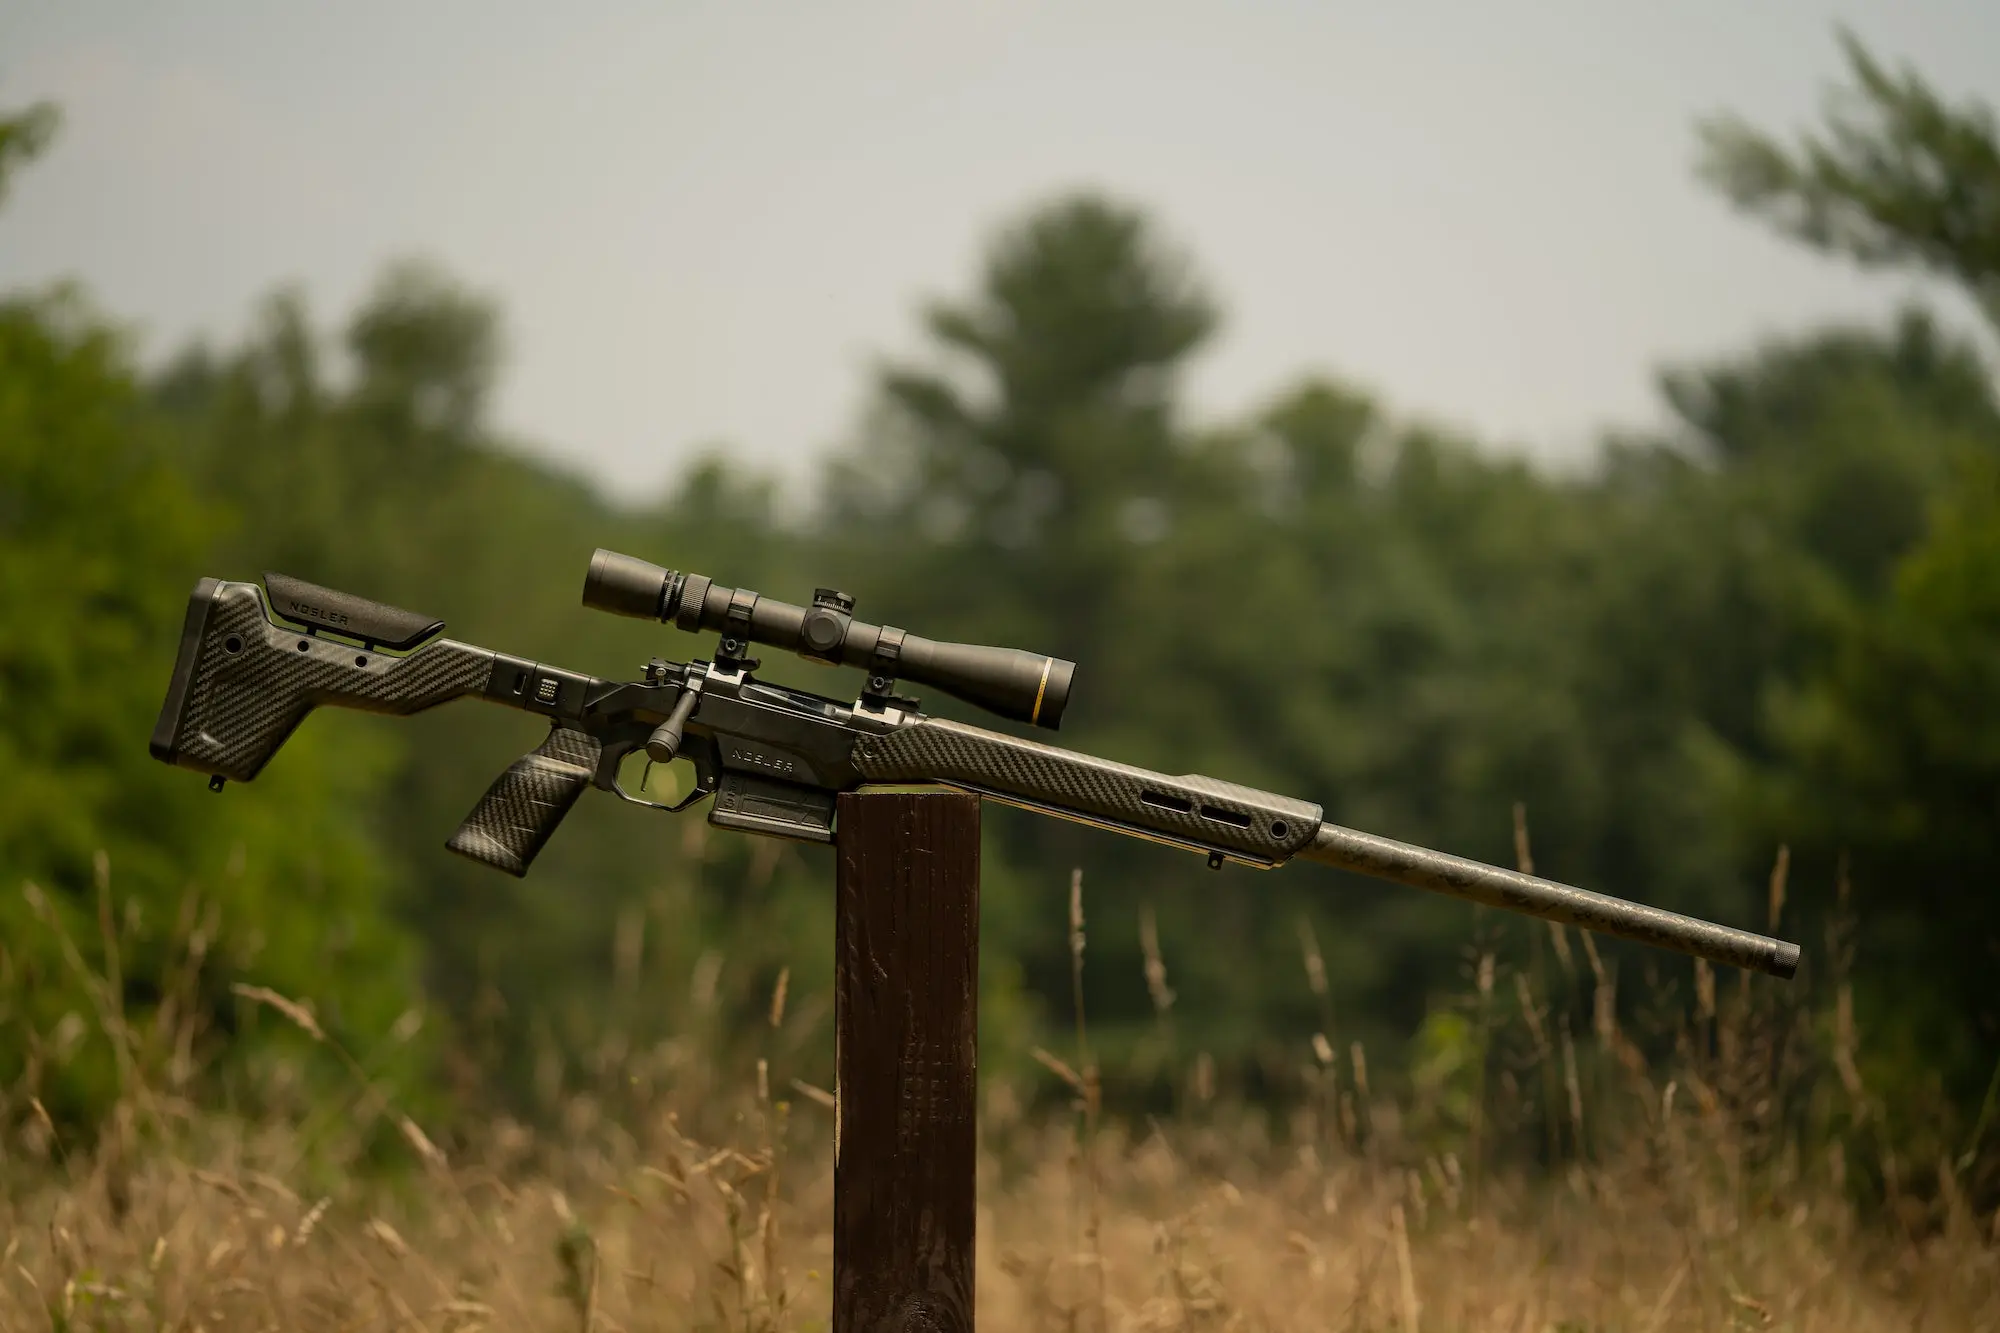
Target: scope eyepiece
[(1022, 686)]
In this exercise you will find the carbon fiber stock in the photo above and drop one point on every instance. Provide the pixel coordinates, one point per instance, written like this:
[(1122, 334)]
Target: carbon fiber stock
[(244, 682), (1240, 823)]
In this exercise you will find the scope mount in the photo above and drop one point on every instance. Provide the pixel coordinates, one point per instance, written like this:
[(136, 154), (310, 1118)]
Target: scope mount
[(731, 652), (824, 629)]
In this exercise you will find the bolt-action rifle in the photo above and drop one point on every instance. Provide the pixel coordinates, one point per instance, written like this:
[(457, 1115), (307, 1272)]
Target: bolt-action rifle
[(254, 661)]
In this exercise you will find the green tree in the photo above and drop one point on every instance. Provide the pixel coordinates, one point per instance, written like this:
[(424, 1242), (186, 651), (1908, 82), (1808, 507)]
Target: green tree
[(1892, 754), (1897, 176), (100, 542), (1316, 601), (23, 135), (1024, 458), (1879, 752)]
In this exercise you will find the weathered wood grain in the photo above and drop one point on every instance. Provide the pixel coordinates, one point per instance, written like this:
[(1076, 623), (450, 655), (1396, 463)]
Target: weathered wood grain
[(906, 1019)]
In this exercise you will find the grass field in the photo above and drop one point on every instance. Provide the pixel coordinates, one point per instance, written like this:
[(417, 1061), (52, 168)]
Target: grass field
[(1707, 1190), (1178, 1229)]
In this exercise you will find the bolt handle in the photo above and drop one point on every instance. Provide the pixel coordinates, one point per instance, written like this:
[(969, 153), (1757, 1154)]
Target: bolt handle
[(665, 742)]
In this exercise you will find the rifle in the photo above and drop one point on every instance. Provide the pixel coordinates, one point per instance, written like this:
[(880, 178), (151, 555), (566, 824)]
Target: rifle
[(254, 661)]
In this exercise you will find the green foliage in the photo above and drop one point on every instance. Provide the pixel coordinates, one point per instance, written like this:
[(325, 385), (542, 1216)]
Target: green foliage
[(1891, 758), (100, 537), (23, 135), (1898, 176), (129, 902), (1878, 755)]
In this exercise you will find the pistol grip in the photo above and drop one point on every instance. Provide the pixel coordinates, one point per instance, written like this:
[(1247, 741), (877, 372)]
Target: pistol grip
[(519, 812)]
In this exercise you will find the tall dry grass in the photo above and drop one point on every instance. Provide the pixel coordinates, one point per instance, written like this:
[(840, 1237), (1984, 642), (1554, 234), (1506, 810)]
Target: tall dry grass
[(1569, 1176)]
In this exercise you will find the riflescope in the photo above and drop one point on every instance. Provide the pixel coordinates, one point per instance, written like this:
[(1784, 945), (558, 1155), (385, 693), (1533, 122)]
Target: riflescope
[(1022, 686)]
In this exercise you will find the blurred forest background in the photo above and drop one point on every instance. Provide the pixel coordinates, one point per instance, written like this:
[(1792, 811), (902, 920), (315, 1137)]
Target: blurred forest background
[(1776, 625)]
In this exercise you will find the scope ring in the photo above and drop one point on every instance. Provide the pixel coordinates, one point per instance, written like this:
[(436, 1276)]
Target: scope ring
[(882, 662)]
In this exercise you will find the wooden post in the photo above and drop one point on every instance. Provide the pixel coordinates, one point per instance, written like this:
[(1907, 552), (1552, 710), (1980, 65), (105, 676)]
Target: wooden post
[(906, 985)]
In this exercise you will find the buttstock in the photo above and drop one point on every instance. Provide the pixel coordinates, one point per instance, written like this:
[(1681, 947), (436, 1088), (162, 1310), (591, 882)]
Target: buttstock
[(521, 810), (244, 680)]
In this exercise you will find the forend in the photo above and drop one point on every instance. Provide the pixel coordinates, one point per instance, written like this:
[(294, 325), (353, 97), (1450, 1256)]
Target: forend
[(1014, 684)]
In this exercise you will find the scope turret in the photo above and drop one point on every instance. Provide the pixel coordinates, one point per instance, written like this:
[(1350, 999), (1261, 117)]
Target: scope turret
[(1021, 686)]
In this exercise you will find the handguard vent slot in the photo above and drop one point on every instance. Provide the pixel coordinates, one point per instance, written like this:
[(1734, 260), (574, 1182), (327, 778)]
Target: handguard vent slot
[(1222, 816), (1159, 800)]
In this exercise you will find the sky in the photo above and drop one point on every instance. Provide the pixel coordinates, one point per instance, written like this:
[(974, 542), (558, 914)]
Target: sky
[(708, 223)]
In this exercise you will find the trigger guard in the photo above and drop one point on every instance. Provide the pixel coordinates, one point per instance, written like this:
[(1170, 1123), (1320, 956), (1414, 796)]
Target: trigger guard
[(704, 781)]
